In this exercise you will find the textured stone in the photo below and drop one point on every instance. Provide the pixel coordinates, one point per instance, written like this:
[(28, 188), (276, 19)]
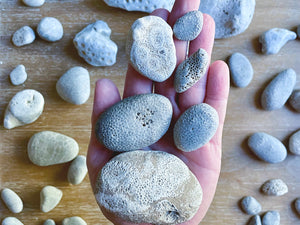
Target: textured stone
[(189, 26), (294, 143), (24, 108), (49, 222), (231, 17), (49, 148), (11, 221), (255, 220), (49, 198), (12, 200), (75, 220), (191, 70), (274, 39), (195, 127), (271, 218), (250, 205), (77, 170), (34, 3), (297, 205), (18, 75), (148, 187), (294, 100), (135, 122), (24, 36), (74, 85), (278, 91), (151, 49), (50, 29), (275, 187), (241, 70), (267, 147), (94, 45)]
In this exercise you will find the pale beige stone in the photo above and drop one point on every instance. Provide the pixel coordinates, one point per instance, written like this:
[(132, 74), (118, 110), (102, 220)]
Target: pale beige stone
[(49, 198)]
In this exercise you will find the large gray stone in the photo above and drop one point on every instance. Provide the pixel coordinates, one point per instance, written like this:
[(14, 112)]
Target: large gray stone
[(271, 218), (294, 143), (275, 187), (13, 202)]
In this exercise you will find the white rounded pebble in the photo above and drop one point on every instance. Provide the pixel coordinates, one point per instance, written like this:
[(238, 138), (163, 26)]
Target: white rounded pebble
[(297, 205), (274, 39), (267, 147), (24, 36), (49, 148), (24, 108), (11, 221), (34, 3), (12, 200), (50, 29), (189, 26), (94, 45), (77, 170), (18, 75), (275, 187), (195, 127), (49, 222), (271, 218), (250, 205), (74, 85), (241, 70), (49, 198), (148, 187), (294, 100), (75, 220), (191, 70), (255, 220), (294, 143), (151, 49)]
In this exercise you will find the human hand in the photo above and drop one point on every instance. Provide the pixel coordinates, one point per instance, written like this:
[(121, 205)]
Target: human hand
[(212, 89)]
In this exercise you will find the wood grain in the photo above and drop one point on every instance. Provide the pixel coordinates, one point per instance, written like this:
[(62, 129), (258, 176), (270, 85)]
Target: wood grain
[(242, 173)]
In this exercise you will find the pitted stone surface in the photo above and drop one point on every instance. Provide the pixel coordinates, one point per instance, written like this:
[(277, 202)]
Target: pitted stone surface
[(275, 187)]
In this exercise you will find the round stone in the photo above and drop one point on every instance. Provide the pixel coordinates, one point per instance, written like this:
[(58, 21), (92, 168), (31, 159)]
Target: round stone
[(49, 198), (271, 218), (12, 200), (294, 143), (77, 170), (34, 3), (294, 100), (24, 36), (18, 75), (250, 205), (49, 222), (75, 220), (50, 29), (11, 221), (275, 187)]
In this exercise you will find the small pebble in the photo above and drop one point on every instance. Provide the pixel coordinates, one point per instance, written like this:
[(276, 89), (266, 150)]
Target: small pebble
[(50, 29), (278, 91), (18, 75), (294, 143), (274, 39), (24, 108), (294, 100), (34, 3), (241, 70), (189, 26), (11, 221), (49, 222), (271, 218), (77, 170), (12, 200), (274, 187), (298, 31), (24, 36), (255, 220), (297, 205), (250, 205), (49, 198), (49, 148), (75, 220)]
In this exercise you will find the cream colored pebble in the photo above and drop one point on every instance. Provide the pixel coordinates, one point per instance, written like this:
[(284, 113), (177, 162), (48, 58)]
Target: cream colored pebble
[(13, 202)]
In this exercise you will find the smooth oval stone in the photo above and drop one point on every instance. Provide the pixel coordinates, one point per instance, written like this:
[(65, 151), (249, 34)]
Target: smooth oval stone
[(24, 108), (34, 3), (75, 220), (77, 170), (151, 49), (267, 147), (135, 122), (250, 205), (271, 218), (74, 85), (49, 198), (191, 70), (18, 75), (148, 187), (50, 29), (24, 36), (298, 31), (12, 200), (189, 26), (279, 90), (11, 221), (274, 39), (231, 17), (275, 187), (241, 70), (294, 100), (195, 127), (294, 143), (49, 222), (49, 148), (297, 205), (255, 220)]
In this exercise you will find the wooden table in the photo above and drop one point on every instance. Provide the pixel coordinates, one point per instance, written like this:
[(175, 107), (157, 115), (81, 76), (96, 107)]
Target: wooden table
[(242, 173)]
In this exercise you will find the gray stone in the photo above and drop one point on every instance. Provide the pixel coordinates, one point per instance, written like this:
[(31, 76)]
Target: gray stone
[(271, 218), (231, 17), (18, 75), (11, 221), (75, 220), (298, 31), (12, 200), (297, 205), (135, 122), (274, 187), (34, 3), (94, 45), (241, 70), (250, 205), (294, 143), (255, 220), (189, 26), (148, 187), (49, 222), (151, 49), (24, 108), (49, 148), (267, 147), (50, 29), (77, 170), (191, 70), (141, 5), (294, 100), (274, 39), (74, 85), (24, 36), (278, 91), (49, 198)]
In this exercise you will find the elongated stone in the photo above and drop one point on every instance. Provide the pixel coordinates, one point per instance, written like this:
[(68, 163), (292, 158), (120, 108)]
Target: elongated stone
[(294, 143), (77, 170), (250, 205), (49, 198), (275, 187), (11, 221), (75, 220), (34, 3), (271, 218), (13, 202)]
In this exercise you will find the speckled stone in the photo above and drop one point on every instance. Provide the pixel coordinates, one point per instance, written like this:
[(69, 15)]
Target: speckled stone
[(148, 187), (294, 100), (34, 3), (151, 49), (77, 170), (11, 221), (50, 29), (275, 187), (278, 91), (250, 205), (294, 143), (75, 220), (12, 200), (49, 222), (49, 198), (23, 36), (135, 122), (271, 218), (297, 205), (18, 75), (255, 220)]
